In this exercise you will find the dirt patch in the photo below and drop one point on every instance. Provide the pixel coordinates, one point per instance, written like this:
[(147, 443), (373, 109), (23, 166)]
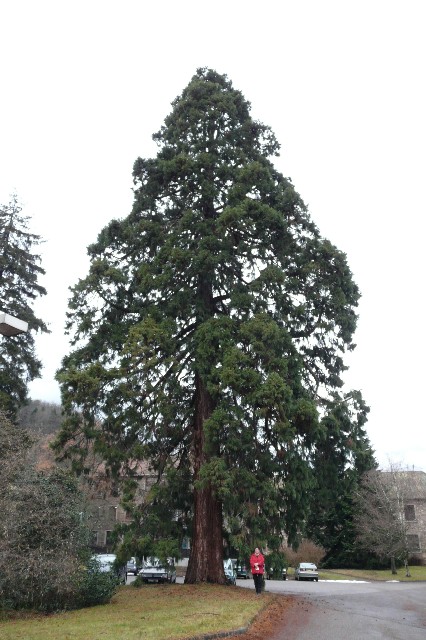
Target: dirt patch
[(285, 613), (270, 620)]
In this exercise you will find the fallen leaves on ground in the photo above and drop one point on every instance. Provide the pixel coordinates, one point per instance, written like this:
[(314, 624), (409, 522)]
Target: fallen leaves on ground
[(269, 620)]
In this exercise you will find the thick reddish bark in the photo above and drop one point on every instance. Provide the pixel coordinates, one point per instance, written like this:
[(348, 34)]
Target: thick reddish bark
[(206, 555)]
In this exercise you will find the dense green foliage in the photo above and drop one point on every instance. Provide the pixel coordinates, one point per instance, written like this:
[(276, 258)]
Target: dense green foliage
[(19, 274), (95, 586), (341, 457), (275, 562), (43, 536), (209, 334)]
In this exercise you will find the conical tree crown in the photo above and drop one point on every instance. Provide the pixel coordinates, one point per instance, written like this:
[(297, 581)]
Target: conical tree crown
[(212, 324)]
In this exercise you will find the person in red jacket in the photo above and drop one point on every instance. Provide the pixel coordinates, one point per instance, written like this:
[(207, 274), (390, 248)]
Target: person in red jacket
[(257, 563)]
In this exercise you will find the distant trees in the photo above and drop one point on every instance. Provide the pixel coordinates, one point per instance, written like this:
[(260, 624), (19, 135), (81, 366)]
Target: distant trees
[(208, 336), (19, 287), (380, 521), (40, 417)]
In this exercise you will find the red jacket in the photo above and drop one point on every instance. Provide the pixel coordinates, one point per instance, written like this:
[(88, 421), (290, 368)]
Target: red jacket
[(257, 563)]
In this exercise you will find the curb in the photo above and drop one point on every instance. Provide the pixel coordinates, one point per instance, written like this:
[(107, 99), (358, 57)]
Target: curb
[(220, 634), (234, 632)]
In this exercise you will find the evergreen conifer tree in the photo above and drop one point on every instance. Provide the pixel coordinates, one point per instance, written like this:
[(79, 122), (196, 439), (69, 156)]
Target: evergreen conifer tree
[(19, 274), (209, 331)]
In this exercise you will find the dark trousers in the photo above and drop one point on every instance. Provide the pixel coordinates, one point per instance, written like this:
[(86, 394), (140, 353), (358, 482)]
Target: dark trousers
[(258, 582)]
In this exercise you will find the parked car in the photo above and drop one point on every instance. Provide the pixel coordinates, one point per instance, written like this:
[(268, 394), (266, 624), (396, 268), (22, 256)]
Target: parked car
[(107, 562), (241, 571), (131, 567), (306, 571), (270, 574), (229, 571), (153, 570)]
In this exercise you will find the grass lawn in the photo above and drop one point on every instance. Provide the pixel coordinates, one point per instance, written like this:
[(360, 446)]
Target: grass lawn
[(151, 612), (417, 573)]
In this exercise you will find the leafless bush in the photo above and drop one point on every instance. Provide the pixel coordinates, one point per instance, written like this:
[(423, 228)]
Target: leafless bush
[(307, 551), (379, 519)]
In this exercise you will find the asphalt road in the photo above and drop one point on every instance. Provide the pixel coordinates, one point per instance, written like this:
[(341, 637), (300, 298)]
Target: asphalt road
[(351, 610)]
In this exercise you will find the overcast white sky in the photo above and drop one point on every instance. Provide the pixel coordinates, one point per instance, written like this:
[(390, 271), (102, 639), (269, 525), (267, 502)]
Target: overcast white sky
[(342, 84)]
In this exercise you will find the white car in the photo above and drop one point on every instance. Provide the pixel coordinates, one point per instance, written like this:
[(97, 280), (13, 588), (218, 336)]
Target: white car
[(106, 562), (306, 571), (153, 570), (228, 567)]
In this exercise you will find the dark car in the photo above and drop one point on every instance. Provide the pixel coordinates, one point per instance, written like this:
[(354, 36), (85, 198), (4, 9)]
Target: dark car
[(241, 571), (131, 567), (271, 574)]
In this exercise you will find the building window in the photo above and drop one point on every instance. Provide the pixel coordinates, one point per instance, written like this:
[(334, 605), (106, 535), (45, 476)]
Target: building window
[(101, 538), (109, 540), (186, 547), (409, 512), (413, 542), (186, 543)]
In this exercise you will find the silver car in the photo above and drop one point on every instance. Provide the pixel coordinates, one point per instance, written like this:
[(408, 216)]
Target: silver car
[(306, 571), (153, 570)]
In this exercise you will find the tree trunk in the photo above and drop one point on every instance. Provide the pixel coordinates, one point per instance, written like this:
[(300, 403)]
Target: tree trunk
[(206, 555), (393, 566)]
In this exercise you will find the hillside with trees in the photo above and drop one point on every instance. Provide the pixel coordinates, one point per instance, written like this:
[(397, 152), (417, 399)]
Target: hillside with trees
[(40, 417)]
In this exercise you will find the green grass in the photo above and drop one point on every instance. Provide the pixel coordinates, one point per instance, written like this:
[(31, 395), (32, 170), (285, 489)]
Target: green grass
[(417, 573), (154, 612), (166, 612)]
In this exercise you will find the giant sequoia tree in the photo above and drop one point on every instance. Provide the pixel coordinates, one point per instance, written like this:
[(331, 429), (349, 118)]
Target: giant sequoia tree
[(209, 332), (19, 287)]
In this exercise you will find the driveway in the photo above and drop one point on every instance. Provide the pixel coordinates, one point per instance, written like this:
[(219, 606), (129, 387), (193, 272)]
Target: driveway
[(349, 610)]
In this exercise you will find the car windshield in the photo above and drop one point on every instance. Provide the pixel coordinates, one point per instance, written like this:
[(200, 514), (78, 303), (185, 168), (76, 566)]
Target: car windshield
[(153, 565)]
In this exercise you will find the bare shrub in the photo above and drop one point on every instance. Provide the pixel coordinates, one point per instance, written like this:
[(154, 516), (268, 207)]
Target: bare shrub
[(307, 551)]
